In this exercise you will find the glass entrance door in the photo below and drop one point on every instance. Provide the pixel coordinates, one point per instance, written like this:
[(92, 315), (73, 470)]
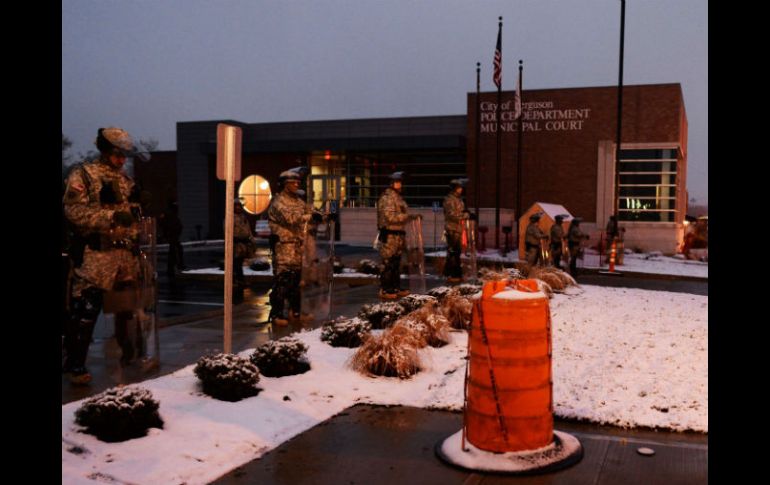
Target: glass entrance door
[(324, 188)]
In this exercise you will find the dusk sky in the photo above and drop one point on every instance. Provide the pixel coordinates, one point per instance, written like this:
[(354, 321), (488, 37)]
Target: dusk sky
[(144, 65)]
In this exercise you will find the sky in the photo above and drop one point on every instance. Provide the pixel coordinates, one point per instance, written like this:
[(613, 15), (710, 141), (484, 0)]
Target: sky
[(145, 65), (641, 361)]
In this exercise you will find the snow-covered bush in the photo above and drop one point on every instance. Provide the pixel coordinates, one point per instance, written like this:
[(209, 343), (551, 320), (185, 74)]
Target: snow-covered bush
[(260, 264), (228, 377), (557, 279), (413, 302), (282, 357), (381, 315), (466, 289), (367, 266), (439, 292), (345, 332), (337, 266), (119, 414), (392, 354)]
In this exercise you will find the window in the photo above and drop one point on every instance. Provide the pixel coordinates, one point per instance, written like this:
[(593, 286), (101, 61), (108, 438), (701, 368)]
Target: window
[(648, 182)]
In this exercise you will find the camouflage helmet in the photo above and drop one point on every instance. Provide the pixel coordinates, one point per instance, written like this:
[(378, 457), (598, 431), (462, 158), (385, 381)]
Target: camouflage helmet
[(536, 216), (458, 182), (112, 138), (291, 174), (560, 217), (397, 176)]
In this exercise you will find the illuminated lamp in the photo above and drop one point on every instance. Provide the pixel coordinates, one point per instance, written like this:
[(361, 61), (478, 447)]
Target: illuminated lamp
[(255, 194)]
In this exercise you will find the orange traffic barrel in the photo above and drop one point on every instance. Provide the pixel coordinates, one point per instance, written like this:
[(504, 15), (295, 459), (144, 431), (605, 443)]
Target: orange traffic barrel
[(509, 395)]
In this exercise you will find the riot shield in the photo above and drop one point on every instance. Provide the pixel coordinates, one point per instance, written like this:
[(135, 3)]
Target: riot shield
[(317, 270), (139, 297), (415, 256), (468, 257)]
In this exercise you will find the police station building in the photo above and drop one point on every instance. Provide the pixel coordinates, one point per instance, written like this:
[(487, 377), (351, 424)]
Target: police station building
[(567, 158)]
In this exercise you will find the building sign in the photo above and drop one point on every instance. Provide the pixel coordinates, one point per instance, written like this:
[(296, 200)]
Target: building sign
[(535, 116)]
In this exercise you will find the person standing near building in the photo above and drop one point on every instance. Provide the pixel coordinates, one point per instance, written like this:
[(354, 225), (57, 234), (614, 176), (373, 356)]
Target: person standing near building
[(615, 234), (287, 217), (171, 228), (98, 204), (392, 215), (244, 243), (557, 235), (454, 215), (575, 238), (532, 238)]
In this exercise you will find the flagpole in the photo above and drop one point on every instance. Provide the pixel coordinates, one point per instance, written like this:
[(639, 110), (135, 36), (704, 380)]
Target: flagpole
[(616, 202), (519, 169), (499, 144), (476, 186)]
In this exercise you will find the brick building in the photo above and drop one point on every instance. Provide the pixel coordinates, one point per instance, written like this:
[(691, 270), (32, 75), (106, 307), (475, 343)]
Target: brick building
[(568, 153)]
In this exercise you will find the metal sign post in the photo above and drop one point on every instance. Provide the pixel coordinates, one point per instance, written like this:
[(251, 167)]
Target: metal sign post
[(228, 169)]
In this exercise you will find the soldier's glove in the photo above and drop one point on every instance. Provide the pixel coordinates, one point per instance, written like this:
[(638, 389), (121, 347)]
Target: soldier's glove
[(123, 218), (316, 217)]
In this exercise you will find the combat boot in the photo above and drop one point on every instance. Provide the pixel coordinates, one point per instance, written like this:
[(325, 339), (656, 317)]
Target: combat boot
[(79, 376), (387, 295)]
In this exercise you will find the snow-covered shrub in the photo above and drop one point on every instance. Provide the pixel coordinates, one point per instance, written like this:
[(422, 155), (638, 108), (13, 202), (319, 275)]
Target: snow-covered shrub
[(228, 377), (544, 287), (439, 292), (119, 414), (381, 315), (337, 266), (345, 332), (367, 266), (282, 357), (392, 354), (260, 264), (458, 310), (466, 289), (412, 302)]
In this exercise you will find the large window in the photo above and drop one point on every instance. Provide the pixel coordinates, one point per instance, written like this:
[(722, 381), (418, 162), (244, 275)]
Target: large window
[(648, 179)]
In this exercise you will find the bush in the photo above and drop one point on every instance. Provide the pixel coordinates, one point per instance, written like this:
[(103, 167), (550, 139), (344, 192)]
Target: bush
[(381, 315), (345, 332), (283, 357), (227, 376), (119, 414), (413, 302), (440, 292), (337, 266), (392, 354), (260, 264)]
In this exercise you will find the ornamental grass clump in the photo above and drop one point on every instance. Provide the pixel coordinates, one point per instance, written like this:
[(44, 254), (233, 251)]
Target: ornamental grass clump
[(345, 332), (557, 279), (392, 354), (440, 292), (431, 326), (227, 377), (466, 289), (282, 357), (381, 315), (457, 310), (119, 414)]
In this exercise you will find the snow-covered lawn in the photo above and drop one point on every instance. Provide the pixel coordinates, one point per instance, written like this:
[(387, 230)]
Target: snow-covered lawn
[(622, 356)]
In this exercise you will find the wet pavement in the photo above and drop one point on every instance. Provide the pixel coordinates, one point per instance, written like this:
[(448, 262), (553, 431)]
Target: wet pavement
[(372, 444)]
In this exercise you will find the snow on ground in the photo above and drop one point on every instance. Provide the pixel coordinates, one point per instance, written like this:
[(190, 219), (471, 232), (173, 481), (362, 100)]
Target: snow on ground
[(622, 356), (653, 263)]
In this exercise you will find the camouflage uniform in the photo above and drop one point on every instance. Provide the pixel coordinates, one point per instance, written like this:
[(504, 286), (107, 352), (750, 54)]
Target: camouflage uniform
[(95, 192), (557, 234), (243, 242), (532, 242), (574, 237), (454, 214), (391, 219), (288, 217)]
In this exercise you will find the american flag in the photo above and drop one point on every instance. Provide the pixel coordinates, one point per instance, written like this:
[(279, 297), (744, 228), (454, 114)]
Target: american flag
[(517, 102), (498, 76)]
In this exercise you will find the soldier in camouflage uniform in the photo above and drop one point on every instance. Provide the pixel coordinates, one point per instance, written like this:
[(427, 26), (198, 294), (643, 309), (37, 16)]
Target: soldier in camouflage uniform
[(100, 203), (532, 238), (575, 237), (557, 236), (244, 244), (288, 217), (391, 218), (454, 215)]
